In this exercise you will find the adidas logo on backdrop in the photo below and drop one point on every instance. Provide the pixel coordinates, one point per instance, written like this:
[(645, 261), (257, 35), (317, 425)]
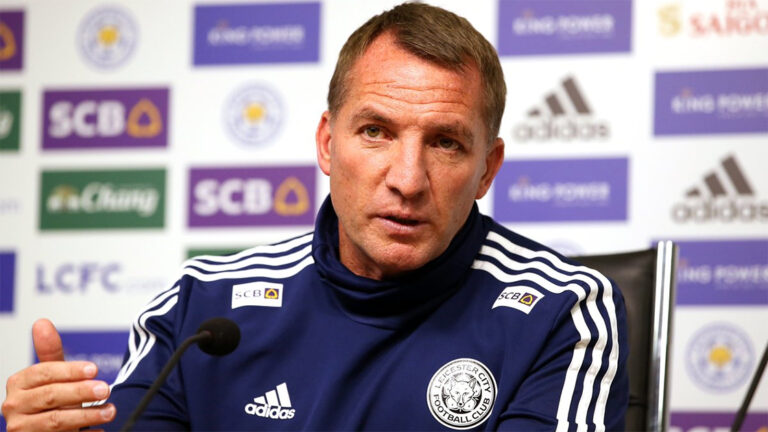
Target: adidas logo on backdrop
[(275, 404), (565, 115), (725, 196)]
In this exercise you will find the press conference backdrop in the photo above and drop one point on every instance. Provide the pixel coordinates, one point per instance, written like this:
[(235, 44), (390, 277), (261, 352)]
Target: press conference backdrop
[(134, 134)]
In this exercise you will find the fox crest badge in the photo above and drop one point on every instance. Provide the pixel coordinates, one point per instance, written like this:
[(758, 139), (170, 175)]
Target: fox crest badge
[(461, 394)]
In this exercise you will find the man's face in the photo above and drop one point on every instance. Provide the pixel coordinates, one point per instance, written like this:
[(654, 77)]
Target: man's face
[(407, 155)]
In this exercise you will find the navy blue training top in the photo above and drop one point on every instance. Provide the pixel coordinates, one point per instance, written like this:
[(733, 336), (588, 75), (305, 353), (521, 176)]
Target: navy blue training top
[(497, 333)]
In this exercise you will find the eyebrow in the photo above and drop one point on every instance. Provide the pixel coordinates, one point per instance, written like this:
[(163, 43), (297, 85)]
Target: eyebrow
[(451, 128)]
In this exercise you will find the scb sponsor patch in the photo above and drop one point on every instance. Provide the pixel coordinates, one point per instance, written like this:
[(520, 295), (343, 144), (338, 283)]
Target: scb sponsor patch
[(520, 298), (257, 294)]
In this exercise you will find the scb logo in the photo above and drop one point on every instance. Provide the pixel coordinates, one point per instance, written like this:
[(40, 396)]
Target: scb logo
[(105, 118), (250, 196), (73, 278)]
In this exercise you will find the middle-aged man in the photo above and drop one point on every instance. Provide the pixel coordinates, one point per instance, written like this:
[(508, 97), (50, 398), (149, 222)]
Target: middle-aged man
[(405, 309)]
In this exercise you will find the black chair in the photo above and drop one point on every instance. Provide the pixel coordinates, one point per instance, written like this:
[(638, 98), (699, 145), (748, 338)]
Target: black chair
[(646, 278)]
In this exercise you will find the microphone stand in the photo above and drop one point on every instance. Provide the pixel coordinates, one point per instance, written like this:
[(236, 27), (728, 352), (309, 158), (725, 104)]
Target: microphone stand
[(205, 334), (750, 393)]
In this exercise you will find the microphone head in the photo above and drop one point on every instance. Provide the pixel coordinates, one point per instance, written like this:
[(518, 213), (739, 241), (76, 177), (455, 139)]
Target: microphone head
[(225, 336)]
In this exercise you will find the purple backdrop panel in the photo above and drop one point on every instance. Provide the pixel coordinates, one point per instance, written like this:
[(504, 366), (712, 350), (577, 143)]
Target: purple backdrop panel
[(251, 196), (257, 33), (530, 27), (125, 118), (561, 190), (688, 421), (711, 102), (729, 272)]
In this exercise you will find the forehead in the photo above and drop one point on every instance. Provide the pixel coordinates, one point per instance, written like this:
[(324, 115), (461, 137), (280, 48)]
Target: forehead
[(389, 74)]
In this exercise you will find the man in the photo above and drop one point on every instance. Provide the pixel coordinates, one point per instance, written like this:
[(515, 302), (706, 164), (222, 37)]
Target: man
[(405, 309)]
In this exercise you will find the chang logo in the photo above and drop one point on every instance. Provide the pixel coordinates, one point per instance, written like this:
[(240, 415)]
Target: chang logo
[(6, 123), (461, 394), (254, 115), (98, 197), (719, 357), (107, 37)]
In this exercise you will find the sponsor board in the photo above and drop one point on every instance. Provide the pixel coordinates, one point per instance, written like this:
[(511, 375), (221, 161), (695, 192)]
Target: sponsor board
[(711, 102), (696, 421), (564, 115), (104, 348), (251, 196), (107, 37), (257, 33), (7, 281), (86, 277), (719, 358), (10, 120), (11, 40), (254, 114), (724, 272), (726, 194), (108, 118), (102, 199), (561, 190), (531, 27), (727, 19)]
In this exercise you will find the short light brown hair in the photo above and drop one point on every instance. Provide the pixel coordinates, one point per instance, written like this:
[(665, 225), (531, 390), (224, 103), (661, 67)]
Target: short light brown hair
[(436, 35)]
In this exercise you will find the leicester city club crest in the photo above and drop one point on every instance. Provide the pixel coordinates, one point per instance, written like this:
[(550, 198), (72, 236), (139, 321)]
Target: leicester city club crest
[(254, 114), (107, 37), (461, 394)]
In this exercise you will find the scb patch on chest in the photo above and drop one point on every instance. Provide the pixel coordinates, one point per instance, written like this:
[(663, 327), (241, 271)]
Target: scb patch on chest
[(521, 298), (461, 394)]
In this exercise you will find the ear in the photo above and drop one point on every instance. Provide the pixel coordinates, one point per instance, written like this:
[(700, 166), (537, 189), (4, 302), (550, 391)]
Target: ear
[(323, 142), (493, 160)]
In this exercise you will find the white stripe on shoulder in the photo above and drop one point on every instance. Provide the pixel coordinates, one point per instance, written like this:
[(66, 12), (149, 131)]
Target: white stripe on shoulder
[(250, 273), (139, 349), (591, 278), (256, 260), (261, 249)]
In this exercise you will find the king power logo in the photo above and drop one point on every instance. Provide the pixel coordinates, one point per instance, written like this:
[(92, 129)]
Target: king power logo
[(102, 199), (11, 40), (565, 115), (726, 195), (733, 18)]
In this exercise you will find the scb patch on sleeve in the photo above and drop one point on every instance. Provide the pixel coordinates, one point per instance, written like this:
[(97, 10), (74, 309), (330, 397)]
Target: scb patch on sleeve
[(521, 298)]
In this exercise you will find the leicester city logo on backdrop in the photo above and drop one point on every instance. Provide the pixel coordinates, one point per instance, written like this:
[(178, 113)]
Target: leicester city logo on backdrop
[(719, 357), (107, 37), (461, 394), (254, 114)]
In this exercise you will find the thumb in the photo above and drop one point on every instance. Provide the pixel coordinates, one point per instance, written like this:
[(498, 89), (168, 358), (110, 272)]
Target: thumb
[(47, 341)]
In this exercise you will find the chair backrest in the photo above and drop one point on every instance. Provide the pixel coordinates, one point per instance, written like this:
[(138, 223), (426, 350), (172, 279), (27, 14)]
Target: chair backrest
[(646, 278)]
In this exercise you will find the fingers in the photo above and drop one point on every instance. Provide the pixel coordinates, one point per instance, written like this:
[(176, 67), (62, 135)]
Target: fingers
[(64, 419), (59, 395), (51, 372), (47, 341)]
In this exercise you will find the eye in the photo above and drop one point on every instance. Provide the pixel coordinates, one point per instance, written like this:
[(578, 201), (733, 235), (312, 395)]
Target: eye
[(448, 143), (373, 132)]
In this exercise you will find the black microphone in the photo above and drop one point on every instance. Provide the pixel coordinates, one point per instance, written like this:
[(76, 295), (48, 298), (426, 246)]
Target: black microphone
[(216, 336)]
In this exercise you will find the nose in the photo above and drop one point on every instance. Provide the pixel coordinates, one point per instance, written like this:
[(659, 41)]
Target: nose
[(407, 171)]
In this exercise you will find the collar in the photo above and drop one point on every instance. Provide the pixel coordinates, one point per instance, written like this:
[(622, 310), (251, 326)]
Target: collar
[(393, 303)]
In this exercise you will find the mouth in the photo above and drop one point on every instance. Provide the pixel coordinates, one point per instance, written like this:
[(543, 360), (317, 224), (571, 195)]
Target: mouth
[(402, 221)]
